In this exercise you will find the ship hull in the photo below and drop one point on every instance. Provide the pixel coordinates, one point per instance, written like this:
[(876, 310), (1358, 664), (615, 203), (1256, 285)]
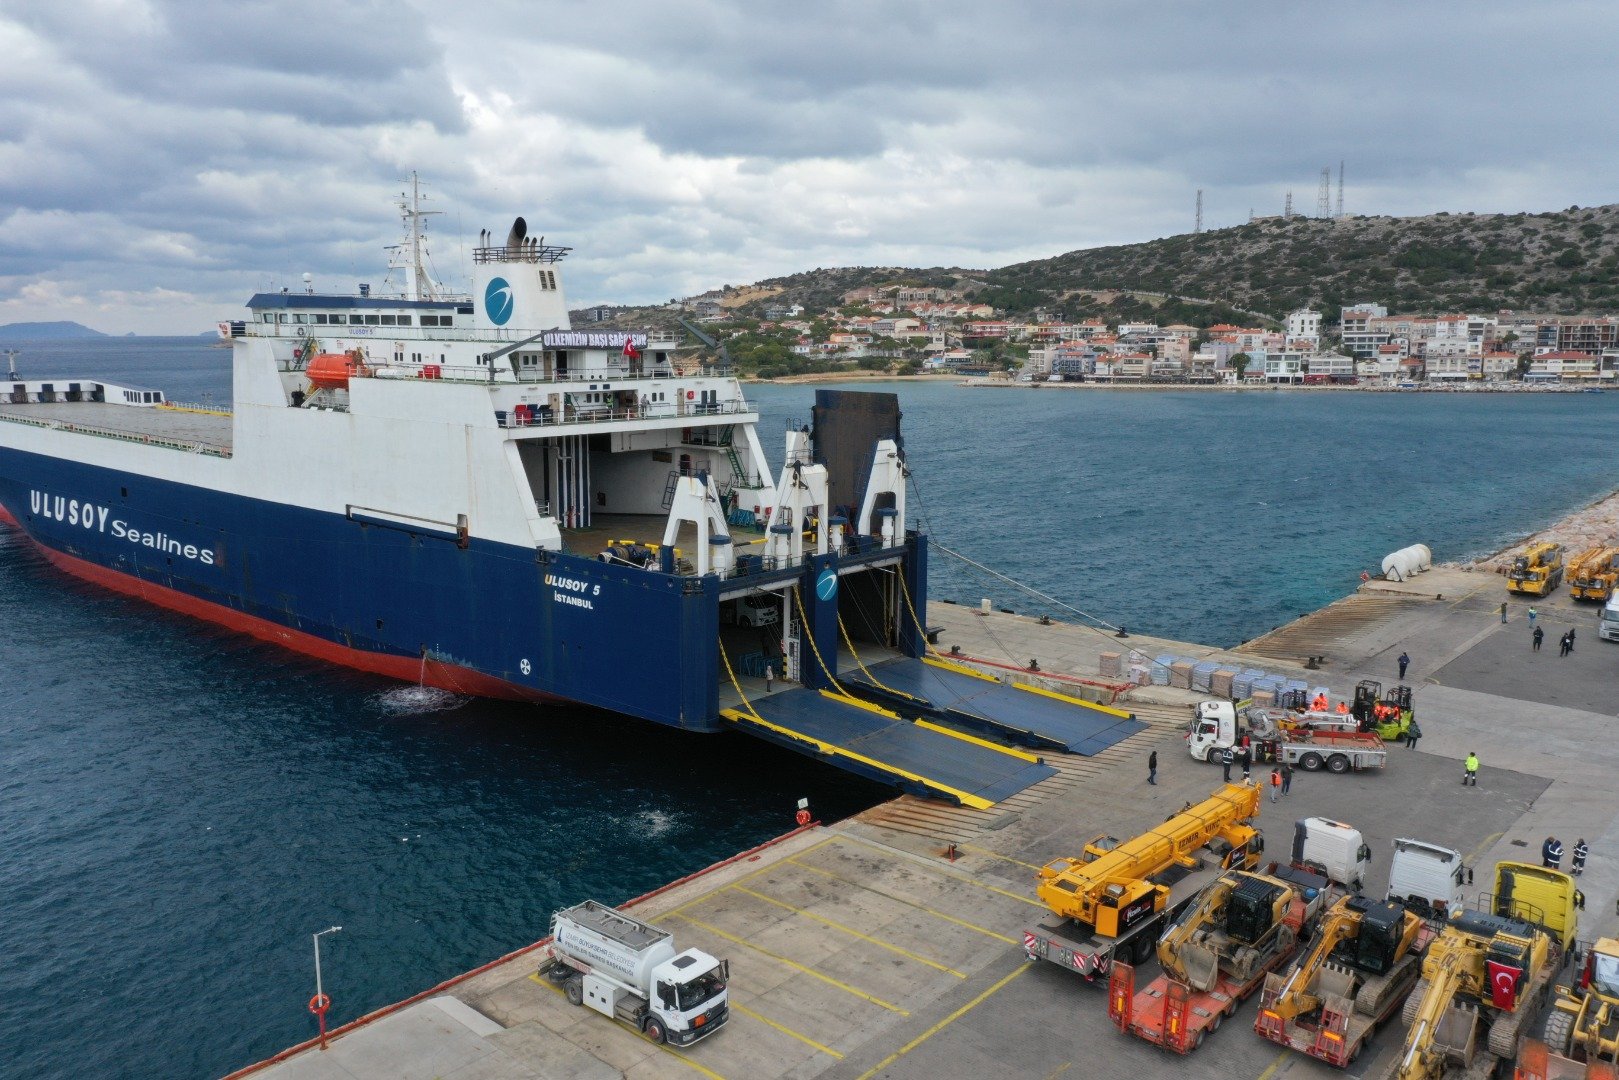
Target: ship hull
[(467, 615)]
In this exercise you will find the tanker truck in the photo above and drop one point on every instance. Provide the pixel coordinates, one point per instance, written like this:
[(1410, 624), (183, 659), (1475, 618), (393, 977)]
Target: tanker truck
[(628, 970)]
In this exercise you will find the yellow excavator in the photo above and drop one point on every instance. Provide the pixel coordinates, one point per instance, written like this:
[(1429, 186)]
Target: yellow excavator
[(1538, 571), (1592, 573), (1112, 901), (1492, 967), (1364, 962), (1582, 1029)]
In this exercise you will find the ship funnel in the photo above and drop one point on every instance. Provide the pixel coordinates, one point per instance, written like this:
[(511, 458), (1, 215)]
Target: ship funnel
[(514, 239)]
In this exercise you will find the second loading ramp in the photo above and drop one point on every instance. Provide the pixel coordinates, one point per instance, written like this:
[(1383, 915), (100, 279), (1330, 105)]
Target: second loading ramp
[(921, 757), (1027, 715)]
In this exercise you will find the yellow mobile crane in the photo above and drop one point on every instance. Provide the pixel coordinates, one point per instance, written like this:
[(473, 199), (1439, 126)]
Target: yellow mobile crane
[(1592, 573), (1112, 900), (1538, 571), (1361, 967), (1492, 966)]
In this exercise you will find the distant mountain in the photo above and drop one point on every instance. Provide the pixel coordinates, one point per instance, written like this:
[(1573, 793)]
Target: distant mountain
[(1564, 261), (47, 331)]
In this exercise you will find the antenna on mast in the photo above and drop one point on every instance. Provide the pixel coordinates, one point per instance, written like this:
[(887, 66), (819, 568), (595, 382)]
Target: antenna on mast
[(410, 256)]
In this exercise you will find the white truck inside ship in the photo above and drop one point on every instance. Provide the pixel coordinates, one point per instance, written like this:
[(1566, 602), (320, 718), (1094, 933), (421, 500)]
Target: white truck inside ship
[(628, 970)]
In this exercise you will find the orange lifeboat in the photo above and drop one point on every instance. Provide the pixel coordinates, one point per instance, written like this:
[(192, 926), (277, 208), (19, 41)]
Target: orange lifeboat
[(332, 371)]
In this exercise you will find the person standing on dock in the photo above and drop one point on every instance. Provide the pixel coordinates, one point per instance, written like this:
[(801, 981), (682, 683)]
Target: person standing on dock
[(1580, 854), (1503, 613), (1152, 768), (770, 677), (1287, 777), (1532, 614), (1275, 784), (1571, 631), (1564, 645), (1551, 854), (1412, 734), (1405, 662), (1538, 636), (1227, 756), (1470, 775)]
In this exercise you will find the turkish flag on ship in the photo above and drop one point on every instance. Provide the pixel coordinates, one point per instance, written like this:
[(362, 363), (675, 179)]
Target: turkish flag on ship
[(630, 351), (1503, 984)]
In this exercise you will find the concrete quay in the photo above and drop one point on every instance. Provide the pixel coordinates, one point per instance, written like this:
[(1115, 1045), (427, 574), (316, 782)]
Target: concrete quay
[(861, 950)]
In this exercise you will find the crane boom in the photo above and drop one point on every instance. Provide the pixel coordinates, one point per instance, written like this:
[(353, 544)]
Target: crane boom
[(1112, 885)]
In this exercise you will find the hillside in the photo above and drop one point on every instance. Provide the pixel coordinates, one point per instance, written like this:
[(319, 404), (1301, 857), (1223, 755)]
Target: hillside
[(1562, 262), (46, 331)]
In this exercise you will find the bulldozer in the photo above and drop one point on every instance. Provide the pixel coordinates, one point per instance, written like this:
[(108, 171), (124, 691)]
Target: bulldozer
[(1493, 967), (1364, 962), (1583, 1025), (1538, 571)]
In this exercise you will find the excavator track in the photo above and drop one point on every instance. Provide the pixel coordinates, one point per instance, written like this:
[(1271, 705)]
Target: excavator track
[(1375, 990), (1413, 1004), (1503, 1039)]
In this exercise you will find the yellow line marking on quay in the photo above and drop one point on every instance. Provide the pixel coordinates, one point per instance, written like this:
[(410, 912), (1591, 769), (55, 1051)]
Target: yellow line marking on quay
[(682, 1058), (785, 1030), (795, 965), (850, 931), (995, 854), (908, 903), (952, 877), (1059, 1070), (694, 901), (942, 1024), (1270, 1070), (1484, 846)]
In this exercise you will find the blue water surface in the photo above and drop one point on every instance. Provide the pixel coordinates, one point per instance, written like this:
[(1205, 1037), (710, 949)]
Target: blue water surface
[(180, 808)]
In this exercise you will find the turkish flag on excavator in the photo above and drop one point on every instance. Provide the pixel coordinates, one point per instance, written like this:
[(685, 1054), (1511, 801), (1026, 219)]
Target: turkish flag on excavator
[(1503, 984)]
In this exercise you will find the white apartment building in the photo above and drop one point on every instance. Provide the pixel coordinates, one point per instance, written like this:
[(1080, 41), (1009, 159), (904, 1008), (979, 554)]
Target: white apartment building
[(1304, 325)]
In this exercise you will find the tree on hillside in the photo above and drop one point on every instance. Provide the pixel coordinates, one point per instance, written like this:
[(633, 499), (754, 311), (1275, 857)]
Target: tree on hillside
[(1240, 362)]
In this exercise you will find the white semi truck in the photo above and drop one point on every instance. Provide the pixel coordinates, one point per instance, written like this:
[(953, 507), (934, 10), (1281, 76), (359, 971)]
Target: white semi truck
[(1427, 878), (628, 970)]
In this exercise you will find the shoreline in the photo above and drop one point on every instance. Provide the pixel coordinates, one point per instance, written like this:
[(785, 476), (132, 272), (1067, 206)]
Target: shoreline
[(1595, 523)]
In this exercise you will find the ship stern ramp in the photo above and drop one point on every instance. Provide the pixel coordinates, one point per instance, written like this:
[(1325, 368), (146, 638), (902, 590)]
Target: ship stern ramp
[(960, 696), (918, 756)]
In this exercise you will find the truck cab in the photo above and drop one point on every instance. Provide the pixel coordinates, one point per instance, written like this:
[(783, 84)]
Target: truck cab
[(1608, 621), (1213, 728), (685, 990), (1427, 878), (1333, 848)]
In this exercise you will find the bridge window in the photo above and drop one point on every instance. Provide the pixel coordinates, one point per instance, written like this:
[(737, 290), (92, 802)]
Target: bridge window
[(404, 320), (387, 320), (372, 320)]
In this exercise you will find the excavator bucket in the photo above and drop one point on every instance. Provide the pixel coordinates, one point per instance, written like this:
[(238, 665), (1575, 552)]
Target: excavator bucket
[(1201, 966), (1457, 1035)]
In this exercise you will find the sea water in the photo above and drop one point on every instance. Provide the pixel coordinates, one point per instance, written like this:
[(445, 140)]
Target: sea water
[(181, 808)]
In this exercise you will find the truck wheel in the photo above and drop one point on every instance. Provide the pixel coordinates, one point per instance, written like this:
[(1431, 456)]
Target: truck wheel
[(575, 989), (654, 1031), (1310, 762), (1338, 763), (558, 972), (1142, 949)]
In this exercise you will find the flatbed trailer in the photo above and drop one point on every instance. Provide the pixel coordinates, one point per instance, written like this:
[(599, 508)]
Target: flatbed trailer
[(1171, 1014), (1347, 1019), (1074, 945)]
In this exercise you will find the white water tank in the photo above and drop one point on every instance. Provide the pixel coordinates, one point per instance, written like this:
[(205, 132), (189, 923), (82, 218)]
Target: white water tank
[(1408, 561)]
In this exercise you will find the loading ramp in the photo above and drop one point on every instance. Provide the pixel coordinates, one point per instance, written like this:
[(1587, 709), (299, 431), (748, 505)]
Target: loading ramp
[(1027, 715), (922, 757)]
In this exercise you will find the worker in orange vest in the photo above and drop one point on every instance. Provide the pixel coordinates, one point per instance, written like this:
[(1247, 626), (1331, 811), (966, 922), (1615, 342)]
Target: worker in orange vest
[(1343, 708)]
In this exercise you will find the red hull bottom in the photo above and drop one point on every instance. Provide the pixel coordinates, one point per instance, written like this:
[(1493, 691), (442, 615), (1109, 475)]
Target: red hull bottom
[(452, 677)]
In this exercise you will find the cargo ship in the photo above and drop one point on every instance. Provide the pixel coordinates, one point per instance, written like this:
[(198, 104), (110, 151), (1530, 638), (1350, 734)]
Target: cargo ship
[(465, 491)]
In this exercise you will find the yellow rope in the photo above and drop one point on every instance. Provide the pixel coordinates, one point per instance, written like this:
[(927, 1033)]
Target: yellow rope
[(861, 665), (816, 649), (737, 685), (921, 628)]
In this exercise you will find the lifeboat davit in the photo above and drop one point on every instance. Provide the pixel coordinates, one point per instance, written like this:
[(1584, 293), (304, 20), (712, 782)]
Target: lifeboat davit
[(332, 371)]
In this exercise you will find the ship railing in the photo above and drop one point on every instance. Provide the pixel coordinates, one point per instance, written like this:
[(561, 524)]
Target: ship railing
[(537, 416), (144, 438), (202, 407)]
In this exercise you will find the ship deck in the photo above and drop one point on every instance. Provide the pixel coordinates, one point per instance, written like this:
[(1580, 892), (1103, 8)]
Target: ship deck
[(182, 428)]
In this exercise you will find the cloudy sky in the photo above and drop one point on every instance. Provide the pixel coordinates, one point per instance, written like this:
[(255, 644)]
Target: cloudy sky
[(161, 160)]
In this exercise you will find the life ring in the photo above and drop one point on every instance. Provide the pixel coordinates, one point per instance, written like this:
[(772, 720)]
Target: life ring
[(319, 1004), (1364, 576), (301, 332), (690, 394), (803, 818)]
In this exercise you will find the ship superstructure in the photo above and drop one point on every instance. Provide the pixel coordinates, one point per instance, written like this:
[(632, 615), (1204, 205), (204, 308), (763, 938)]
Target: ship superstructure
[(470, 492)]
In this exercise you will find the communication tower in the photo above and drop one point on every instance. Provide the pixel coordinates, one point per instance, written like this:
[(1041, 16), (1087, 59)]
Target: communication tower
[(1287, 208), (1199, 226), (1323, 195), (1340, 187)]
